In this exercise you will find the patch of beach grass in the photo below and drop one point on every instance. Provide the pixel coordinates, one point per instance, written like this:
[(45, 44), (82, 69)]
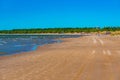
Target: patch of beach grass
[(115, 33)]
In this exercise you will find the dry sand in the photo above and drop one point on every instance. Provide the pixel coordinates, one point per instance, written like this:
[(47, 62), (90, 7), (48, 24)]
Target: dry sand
[(85, 58)]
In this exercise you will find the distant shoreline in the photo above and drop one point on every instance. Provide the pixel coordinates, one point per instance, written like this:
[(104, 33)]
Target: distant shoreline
[(84, 30), (49, 34)]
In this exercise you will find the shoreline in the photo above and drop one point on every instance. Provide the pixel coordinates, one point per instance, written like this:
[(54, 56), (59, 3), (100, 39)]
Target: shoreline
[(37, 48), (57, 40), (48, 45), (47, 34)]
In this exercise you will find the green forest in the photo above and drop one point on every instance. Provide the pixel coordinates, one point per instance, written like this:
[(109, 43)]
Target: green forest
[(60, 30)]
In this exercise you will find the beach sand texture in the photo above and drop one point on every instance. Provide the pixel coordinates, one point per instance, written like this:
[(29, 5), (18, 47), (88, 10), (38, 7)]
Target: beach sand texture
[(84, 58)]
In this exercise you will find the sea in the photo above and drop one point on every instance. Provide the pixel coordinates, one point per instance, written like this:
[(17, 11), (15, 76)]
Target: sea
[(16, 44)]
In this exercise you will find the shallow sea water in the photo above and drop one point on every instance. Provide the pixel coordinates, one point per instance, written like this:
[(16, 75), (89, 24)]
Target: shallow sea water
[(14, 44)]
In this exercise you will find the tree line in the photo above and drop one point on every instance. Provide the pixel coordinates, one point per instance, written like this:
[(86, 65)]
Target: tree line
[(59, 30)]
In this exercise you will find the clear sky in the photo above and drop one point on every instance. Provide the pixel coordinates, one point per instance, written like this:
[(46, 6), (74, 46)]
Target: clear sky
[(16, 14)]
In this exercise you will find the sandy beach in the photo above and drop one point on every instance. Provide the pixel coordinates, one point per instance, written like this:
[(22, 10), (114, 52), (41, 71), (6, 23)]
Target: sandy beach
[(83, 58)]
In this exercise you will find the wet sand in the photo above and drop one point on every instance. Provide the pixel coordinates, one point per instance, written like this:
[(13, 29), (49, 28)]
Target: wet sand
[(84, 58)]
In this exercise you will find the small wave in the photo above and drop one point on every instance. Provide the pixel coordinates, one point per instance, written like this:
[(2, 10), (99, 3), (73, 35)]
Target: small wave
[(19, 45), (3, 42)]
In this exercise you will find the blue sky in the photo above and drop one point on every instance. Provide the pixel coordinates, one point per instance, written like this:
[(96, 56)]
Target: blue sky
[(18, 14)]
